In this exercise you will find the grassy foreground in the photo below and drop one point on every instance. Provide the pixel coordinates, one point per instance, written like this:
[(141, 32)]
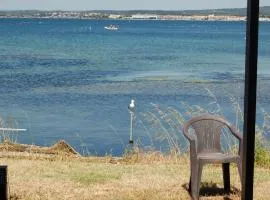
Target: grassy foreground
[(140, 176)]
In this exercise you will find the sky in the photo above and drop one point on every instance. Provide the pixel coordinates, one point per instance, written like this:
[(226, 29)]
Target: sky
[(123, 4)]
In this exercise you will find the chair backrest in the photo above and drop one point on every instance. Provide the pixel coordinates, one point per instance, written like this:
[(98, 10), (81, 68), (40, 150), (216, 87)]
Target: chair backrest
[(208, 131)]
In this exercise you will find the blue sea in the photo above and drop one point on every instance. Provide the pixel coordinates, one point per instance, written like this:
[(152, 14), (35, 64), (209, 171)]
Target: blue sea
[(72, 79)]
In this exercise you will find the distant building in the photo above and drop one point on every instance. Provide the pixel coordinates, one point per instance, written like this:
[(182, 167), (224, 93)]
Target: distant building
[(113, 16), (144, 16)]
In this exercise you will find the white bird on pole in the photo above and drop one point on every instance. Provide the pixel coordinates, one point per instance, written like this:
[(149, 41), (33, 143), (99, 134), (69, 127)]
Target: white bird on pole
[(132, 105), (131, 108)]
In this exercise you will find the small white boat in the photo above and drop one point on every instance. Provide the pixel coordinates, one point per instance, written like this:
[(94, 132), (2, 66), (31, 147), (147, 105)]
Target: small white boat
[(112, 27)]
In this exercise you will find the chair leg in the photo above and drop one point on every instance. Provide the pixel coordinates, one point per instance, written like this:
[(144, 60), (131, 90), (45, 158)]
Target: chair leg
[(226, 176), (199, 179), (194, 180), (239, 166)]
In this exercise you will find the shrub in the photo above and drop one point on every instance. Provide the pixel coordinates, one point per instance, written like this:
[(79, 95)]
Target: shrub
[(262, 153)]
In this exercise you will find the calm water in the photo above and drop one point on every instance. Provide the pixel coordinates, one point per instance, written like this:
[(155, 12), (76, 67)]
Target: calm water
[(73, 80)]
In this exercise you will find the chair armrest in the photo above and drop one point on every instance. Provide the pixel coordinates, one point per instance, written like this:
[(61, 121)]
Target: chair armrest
[(192, 138), (193, 148), (237, 134)]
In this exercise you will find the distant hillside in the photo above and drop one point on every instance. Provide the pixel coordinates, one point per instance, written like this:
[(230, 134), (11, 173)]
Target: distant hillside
[(264, 12)]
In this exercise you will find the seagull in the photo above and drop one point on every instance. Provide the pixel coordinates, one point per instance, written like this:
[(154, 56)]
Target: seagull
[(131, 105)]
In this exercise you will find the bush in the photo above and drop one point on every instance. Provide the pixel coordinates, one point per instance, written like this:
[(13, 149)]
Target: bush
[(262, 153)]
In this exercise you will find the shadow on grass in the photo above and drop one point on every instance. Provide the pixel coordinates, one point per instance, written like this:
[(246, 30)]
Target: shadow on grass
[(211, 189)]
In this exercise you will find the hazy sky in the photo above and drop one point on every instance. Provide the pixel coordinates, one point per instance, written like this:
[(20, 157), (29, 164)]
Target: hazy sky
[(122, 4)]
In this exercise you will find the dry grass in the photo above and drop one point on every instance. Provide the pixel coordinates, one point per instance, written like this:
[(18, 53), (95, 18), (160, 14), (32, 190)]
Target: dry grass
[(61, 147), (142, 176)]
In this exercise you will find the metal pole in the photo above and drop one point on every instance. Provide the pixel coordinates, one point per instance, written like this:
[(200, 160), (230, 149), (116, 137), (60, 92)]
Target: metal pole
[(3, 183), (131, 108), (250, 99), (131, 128)]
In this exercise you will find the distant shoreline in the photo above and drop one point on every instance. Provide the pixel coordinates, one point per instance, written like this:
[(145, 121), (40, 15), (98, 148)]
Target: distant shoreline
[(165, 18), (229, 14)]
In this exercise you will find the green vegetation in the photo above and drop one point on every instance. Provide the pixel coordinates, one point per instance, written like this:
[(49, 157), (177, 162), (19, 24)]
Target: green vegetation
[(262, 153), (167, 124), (87, 178)]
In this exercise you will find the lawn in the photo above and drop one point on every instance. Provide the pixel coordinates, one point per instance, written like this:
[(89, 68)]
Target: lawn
[(36, 177)]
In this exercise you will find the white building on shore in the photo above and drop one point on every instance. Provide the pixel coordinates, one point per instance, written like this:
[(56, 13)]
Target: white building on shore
[(113, 16), (144, 16)]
